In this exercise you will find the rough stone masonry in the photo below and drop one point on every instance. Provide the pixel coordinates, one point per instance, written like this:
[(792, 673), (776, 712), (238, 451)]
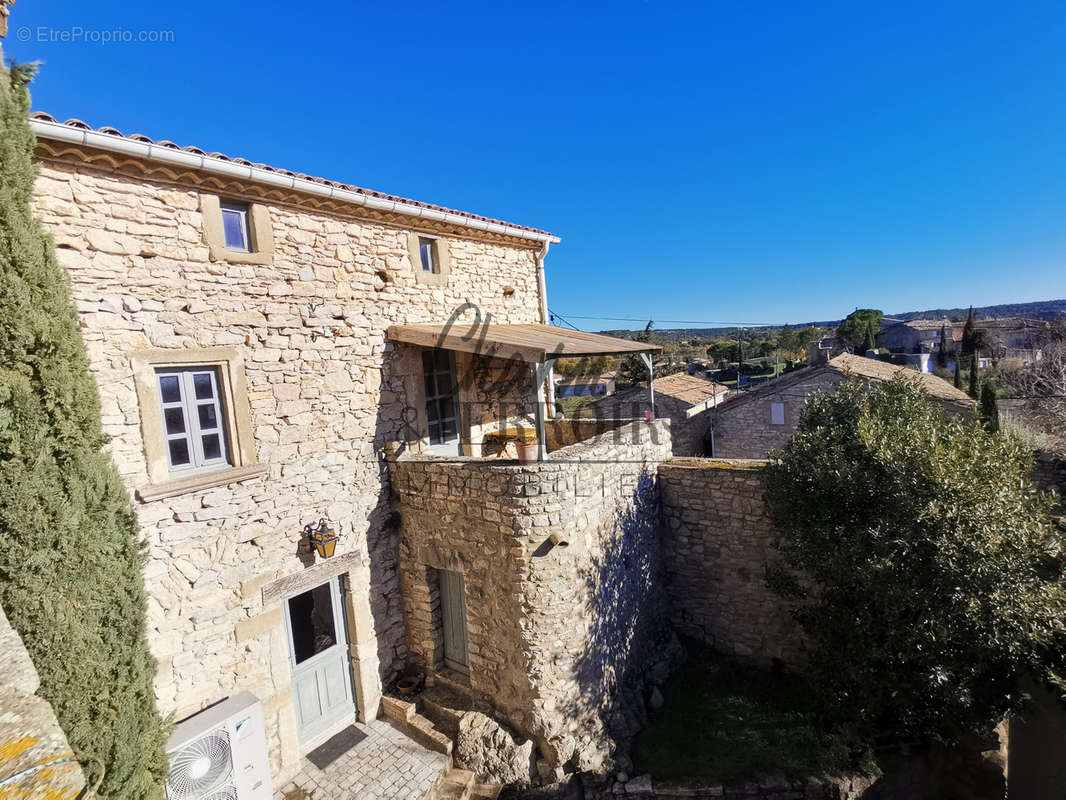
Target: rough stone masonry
[(560, 637), (309, 328)]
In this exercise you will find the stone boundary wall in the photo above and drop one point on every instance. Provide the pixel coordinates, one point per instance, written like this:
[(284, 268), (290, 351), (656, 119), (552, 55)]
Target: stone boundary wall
[(562, 433), (29, 732), (560, 638), (769, 788), (1049, 471), (718, 541)]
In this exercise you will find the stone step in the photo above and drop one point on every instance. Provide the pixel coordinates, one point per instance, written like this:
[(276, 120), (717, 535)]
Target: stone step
[(450, 681), (486, 791), (397, 709), (444, 707), (423, 730), (452, 784), (420, 728)]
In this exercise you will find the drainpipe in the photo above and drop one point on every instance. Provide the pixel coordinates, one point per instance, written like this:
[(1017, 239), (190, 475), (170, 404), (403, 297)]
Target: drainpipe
[(542, 289), (542, 292)]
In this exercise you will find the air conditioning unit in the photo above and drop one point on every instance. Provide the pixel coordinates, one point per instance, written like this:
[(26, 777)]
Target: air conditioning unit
[(221, 753)]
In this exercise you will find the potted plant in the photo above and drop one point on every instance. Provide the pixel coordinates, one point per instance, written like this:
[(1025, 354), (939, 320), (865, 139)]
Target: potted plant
[(524, 439), (527, 445)]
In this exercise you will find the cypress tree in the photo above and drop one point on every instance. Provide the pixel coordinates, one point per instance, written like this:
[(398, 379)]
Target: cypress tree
[(71, 562), (989, 408), (870, 342), (942, 348), (968, 331), (975, 382), (958, 374)]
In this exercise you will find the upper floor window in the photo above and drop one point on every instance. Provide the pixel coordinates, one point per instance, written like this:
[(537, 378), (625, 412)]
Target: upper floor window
[(235, 228), (427, 251), (193, 427), (430, 258)]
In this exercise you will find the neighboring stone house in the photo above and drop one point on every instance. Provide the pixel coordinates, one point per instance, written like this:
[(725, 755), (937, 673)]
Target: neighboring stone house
[(683, 399), (751, 424), (1013, 338), (258, 337), (826, 349), (920, 336)]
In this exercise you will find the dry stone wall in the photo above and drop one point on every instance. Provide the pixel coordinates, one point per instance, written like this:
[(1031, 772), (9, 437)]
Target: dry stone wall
[(1049, 471), (310, 326), (718, 540), (35, 757), (560, 638)]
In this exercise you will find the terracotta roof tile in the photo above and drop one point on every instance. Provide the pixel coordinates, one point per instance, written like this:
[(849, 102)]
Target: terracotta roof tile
[(884, 371), (77, 123), (689, 389)]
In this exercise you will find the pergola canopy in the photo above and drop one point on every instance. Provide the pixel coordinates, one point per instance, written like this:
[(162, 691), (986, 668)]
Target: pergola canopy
[(532, 343)]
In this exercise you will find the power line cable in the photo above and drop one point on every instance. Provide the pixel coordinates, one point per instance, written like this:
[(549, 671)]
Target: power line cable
[(553, 316), (684, 321)]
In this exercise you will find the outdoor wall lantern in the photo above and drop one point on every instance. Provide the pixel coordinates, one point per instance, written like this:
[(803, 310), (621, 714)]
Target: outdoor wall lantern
[(322, 537)]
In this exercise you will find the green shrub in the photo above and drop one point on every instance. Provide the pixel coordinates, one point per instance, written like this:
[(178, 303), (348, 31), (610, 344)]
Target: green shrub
[(70, 560), (937, 572)]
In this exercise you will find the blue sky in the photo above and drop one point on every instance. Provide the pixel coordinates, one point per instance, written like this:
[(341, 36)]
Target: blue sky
[(725, 162)]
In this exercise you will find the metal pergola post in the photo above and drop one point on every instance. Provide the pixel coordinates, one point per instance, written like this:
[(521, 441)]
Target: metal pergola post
[(542, 372), (646, 358)]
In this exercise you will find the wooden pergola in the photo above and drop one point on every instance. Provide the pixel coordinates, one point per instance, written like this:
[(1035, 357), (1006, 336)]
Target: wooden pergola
[(540, 346)]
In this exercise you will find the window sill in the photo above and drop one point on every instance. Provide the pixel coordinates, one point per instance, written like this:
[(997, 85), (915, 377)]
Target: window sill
[(240, 256), (195, 483)]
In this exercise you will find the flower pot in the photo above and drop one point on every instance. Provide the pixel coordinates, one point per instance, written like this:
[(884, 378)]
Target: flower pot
[(406, 686), (528, 453)]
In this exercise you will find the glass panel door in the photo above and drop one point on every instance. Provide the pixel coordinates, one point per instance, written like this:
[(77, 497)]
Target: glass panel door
[(442, 401)]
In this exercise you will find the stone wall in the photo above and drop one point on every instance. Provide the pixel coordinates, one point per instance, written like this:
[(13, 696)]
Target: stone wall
[(687, 433), (565, 432), (742, 425), (772, 787), (1049, 471), (718, 541), (324, 395), (559, 637), (31, 741)]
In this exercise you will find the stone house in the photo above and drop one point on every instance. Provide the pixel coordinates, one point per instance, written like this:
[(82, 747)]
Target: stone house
[(751, 424), (920, 336), (682, 398), (259, 337), (825, 349)]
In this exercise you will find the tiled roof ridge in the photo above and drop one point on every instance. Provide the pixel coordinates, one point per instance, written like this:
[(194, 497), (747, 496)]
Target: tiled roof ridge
[(42, 116)]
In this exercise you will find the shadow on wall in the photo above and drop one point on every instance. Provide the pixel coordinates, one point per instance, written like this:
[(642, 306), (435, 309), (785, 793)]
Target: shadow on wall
[(628, 639)]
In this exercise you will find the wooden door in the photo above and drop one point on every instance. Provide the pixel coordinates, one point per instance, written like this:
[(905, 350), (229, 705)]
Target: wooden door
[(453, 619)]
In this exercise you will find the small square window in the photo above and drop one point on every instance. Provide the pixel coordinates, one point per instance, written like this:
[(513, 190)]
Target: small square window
[(777, 413), (235, 226), (427, 250), (191, 405)]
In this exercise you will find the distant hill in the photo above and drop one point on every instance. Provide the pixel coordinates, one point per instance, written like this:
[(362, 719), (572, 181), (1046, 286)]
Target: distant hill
[(1041, 309)]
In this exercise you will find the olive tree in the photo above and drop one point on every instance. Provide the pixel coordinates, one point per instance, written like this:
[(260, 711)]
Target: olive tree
[(927, 568)]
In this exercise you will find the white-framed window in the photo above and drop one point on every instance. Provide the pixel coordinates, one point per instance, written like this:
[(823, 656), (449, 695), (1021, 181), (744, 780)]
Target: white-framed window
[(777, 413), (235, 230), (193, 422), (427, 252)]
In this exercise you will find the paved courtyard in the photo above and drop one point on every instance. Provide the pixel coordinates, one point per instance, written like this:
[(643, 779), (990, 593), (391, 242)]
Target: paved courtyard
[(386, 765)]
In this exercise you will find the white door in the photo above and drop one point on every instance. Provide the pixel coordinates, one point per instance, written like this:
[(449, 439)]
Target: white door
[(319, 657)]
